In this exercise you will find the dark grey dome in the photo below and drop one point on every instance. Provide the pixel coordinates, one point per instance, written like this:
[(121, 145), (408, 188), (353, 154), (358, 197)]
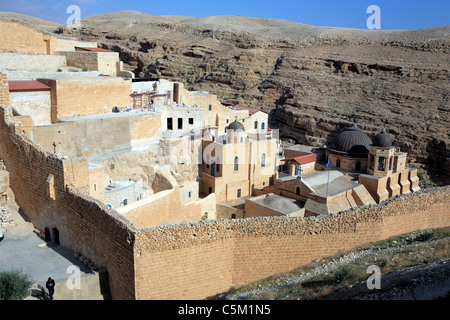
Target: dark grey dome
[(352, 140), (236, 126), (382, 140)]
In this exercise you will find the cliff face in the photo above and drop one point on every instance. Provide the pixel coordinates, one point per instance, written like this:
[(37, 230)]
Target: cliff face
[(313, 81)]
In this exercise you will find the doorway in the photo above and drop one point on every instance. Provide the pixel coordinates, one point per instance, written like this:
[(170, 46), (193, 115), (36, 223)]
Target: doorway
[(55, 234)]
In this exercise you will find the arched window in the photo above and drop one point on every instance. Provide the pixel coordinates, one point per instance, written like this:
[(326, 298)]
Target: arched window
[(263, 160), (256, 124), (236, 164), (263, 126), (338, 163)]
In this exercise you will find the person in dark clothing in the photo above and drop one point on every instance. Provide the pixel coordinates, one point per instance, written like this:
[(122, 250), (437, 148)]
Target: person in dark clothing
[(51, 287)]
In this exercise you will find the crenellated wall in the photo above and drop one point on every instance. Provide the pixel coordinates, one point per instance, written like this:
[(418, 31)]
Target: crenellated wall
[(201, 260), (51, 191), (195, 260)]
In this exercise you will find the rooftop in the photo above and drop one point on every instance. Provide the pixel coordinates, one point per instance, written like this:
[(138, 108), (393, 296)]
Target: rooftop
[(303, 159), (279, 203), (93, 49), (251, 110), (337, 182), (27, 85)]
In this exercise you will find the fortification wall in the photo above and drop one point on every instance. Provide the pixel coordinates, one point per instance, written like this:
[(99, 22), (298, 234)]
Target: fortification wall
[(36, 104), (44, 187), (197, 261), (21, 37), (4, 90), (18, 37), (105, 62), (81, 97), (167, 207), (31, 62)]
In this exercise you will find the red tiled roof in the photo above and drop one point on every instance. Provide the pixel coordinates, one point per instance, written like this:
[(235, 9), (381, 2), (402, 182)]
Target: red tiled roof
[(251, 110), (27, 85), (303, 159), (93, 49)]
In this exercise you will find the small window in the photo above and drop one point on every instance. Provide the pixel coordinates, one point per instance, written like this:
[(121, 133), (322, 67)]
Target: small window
[(236, 164), (338, 163), (233, 216), (169, 124), (263, 160), (180, 123), (297, 191), (239, 193), (191, 120), (242, 139), (210, 107), (228, 120), (263, 126), (218, 167), (125, 202), (256, 124), (209, 190), (95, 187), (189, 194)]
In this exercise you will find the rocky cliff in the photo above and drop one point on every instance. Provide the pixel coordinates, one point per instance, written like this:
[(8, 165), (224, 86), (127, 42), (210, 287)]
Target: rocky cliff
[(313, 81)]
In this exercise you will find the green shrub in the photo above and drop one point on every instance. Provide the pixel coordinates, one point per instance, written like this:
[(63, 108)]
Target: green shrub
[(14, 285), (349, 273)]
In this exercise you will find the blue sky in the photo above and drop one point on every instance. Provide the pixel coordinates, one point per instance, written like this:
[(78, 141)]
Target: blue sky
[(395, 14)]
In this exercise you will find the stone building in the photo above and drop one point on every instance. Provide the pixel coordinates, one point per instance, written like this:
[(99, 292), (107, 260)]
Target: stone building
[(349, 150), (236, 163), (380, 166), (59, 172)]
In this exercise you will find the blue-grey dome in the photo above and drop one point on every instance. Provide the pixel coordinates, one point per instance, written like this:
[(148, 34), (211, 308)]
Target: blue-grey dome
[(352, 140), (382, 140), (236, 126)]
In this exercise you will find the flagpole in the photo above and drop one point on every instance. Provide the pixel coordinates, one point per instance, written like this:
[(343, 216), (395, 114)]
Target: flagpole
[(329, 169), (282, 159)]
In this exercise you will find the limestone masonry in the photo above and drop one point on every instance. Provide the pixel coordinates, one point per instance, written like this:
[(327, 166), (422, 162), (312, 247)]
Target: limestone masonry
[(174, 194)]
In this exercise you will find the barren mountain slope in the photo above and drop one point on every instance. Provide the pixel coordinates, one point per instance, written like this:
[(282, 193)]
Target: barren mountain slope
[(313, 81)]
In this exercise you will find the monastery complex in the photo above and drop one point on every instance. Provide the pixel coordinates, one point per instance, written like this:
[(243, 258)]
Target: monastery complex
[(174, 194)]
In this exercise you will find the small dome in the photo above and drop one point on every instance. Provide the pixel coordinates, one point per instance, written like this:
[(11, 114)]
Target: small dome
[(236, 126), (352, 140), (382, 140)]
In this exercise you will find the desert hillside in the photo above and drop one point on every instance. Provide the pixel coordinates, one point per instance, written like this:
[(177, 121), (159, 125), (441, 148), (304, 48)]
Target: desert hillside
[(313, 81)]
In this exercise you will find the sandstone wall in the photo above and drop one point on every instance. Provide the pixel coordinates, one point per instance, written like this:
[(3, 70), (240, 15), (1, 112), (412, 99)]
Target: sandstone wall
[(4, 90), (81, 97), (105, 62), (168, 207), (44, 187), (36, 104), (21, 37), (197, 261), (31, 62)]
